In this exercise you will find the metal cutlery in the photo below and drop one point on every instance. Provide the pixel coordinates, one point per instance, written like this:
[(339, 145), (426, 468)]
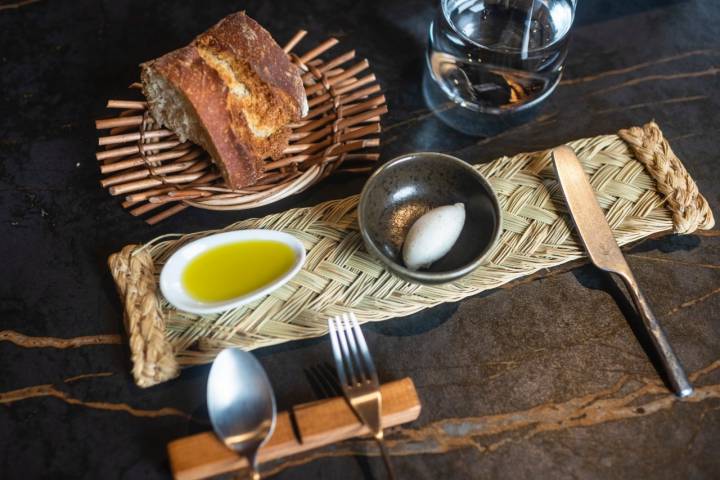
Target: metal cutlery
[(358, 377), (604, 252), (241, 403)]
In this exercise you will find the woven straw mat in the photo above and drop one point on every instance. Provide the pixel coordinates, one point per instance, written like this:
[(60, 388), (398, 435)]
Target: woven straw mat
[(640, 184)]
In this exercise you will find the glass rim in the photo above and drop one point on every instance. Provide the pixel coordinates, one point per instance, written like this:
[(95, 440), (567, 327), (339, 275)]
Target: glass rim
[(446, 15)]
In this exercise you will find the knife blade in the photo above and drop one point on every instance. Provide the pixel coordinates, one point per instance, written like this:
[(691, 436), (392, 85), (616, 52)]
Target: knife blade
[(603, 250)]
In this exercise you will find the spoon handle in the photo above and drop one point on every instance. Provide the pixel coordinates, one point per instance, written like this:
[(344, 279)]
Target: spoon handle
[(252, 465)]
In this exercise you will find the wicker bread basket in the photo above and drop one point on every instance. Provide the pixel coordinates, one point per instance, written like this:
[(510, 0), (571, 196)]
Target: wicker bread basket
[(159, 176)]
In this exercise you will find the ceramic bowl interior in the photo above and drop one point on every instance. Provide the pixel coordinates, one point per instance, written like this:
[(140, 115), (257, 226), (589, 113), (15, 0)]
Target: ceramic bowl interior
[(404, 189)]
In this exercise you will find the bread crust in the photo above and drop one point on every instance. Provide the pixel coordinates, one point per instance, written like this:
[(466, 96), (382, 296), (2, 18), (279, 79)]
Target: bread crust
[(204, 90), (242, 37), (202, 73)]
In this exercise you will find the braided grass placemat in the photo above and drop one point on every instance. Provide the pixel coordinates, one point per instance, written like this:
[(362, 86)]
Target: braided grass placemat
[(640, 183)]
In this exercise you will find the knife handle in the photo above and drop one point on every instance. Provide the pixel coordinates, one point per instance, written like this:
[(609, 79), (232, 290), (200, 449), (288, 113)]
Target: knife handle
[(675, 372)]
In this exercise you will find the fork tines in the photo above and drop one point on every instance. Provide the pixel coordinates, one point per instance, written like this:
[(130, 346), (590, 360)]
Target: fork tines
[(358, 377), (354, 364)]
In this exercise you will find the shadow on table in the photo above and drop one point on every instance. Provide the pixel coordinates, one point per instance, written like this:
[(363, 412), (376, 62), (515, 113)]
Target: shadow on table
[(668, 244), (415, 324)]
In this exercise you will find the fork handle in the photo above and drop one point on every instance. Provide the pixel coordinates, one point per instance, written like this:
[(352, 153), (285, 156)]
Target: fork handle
[(385, 455)]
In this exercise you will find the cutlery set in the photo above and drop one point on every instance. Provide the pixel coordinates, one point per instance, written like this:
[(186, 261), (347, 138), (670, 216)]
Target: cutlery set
[(248, 430)]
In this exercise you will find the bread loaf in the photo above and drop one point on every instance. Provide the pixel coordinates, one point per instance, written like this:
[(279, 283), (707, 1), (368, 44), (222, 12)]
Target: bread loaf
[(233, 91)]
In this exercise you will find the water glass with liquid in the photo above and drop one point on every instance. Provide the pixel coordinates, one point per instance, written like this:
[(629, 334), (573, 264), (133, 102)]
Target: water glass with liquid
[(491, 63)]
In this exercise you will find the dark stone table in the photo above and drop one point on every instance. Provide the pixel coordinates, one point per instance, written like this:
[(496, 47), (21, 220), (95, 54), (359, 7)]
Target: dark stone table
[(543, 378)]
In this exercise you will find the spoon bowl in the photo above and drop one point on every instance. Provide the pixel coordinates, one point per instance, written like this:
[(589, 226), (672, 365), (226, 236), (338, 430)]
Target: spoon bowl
[(241, 403)]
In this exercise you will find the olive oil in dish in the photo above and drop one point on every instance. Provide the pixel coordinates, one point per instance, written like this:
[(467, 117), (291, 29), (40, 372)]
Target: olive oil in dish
[(235, 269)]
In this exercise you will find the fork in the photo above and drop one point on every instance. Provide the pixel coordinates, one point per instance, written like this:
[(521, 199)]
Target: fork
[(358, 377)]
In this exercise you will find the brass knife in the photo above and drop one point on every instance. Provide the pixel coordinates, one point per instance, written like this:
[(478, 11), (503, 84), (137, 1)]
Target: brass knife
[(604, 252)]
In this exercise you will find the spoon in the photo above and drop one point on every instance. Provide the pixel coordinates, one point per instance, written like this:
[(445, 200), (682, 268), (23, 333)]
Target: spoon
[(241, 404)]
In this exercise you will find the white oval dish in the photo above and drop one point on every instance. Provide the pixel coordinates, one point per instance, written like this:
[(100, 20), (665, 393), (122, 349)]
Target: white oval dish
[(171, 276)]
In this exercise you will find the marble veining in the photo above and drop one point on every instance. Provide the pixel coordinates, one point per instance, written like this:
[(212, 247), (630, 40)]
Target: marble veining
[(543, 378)]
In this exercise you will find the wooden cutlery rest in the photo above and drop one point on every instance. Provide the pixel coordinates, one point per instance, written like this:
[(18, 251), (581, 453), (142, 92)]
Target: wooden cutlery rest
[(305, 427)]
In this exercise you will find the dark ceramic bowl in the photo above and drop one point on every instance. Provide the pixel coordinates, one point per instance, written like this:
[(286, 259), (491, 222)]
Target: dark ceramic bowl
[(404, 189)]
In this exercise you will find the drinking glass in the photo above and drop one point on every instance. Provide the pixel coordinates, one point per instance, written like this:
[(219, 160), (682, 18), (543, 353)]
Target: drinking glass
[(491, 63)]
